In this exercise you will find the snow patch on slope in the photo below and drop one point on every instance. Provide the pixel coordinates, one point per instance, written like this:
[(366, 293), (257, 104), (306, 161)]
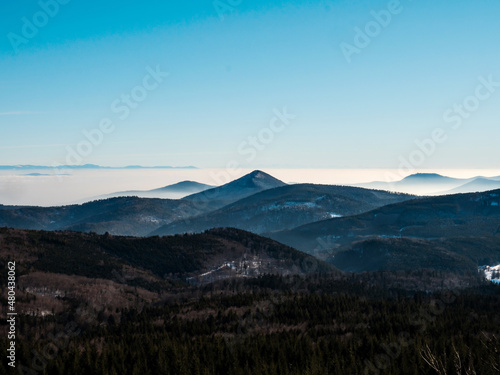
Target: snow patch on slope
[(491, 273)]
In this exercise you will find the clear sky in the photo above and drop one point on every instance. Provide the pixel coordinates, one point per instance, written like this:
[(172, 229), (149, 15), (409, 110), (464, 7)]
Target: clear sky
[(232, 64)]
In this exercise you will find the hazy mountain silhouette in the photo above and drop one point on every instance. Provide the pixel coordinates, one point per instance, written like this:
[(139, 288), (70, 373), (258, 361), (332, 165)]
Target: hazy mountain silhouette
[(132, 215), (477, 185), (175, 191), (419, 183)]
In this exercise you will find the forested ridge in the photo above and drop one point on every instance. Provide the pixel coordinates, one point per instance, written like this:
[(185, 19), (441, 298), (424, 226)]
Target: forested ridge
[(319, 324)]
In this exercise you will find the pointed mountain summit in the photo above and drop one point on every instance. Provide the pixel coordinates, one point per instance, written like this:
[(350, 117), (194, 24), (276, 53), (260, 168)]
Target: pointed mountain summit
[(233, 191), (256, 179)]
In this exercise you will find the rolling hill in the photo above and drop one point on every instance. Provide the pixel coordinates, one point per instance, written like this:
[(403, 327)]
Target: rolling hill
[(286, 207), (476, 185), (217, 254), (133, 216), (121, 216), (462, 254), (59, 271), (434, 218)]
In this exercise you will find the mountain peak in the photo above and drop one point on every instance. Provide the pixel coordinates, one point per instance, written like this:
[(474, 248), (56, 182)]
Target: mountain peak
[(251, 183), (257, 179), (424, 176), (259, 174)]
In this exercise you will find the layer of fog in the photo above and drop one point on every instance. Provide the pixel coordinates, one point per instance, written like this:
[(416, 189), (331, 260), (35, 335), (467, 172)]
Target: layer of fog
[(78, 186)]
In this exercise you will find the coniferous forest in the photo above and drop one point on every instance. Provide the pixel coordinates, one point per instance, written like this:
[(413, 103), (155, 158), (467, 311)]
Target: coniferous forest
[(318, 324)]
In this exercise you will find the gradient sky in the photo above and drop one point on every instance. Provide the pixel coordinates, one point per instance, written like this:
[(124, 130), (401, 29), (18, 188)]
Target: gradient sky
[(227, 76)]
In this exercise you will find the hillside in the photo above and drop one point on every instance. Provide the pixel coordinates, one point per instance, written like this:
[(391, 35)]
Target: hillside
[(462, 254), (287, 207), (121, 216), (475, 214), (423, 222), (134, 216), (175, 191), (216, 254), (478, 184)]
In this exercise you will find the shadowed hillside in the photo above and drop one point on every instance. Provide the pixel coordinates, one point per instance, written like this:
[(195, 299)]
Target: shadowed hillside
[(287, 207)]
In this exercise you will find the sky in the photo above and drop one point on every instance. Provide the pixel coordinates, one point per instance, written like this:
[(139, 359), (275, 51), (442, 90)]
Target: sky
[(253, 84)]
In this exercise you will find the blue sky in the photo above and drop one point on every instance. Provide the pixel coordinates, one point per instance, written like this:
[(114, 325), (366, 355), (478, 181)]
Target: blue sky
[(229, 74)]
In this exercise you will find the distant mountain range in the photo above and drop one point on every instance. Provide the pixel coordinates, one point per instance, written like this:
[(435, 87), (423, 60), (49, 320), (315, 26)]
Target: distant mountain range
[(84, 166), (207, 196), (256, 201), (175, 191), (354, 229), (473, 214), (287, 207), (477, 184), (443, 227), (131, 215), (125, 216), (436, 184)]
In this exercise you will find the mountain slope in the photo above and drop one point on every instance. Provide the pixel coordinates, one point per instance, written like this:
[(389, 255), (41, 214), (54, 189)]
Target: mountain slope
[(126, 215), (175, 191), (233, 191), (420, 183), (184, 186), (478, 184), (287, 207), (132, 215), (216, 254), (462, 254), (476, 214)]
